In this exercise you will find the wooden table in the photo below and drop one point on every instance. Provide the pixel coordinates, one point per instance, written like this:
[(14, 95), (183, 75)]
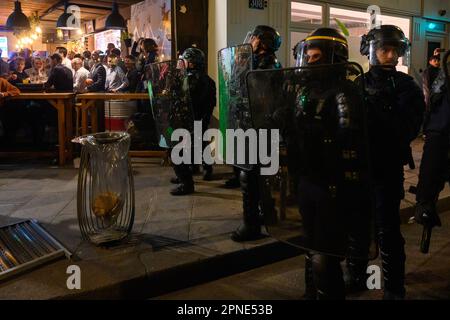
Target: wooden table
[(63, 103), (88, 105)]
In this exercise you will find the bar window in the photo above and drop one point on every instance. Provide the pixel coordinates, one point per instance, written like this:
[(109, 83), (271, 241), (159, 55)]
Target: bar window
[(306, 13)]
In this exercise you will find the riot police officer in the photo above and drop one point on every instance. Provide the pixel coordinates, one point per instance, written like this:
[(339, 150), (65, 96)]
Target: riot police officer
[(203, 97), (332, 188), (265, 42), (396, 106), (434, 169)]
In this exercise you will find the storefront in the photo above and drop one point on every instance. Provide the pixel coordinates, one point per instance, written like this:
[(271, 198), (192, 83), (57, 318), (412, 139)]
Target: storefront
[(426, 23)]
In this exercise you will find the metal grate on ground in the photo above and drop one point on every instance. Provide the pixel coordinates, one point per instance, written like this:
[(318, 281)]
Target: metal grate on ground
[(26, 245)]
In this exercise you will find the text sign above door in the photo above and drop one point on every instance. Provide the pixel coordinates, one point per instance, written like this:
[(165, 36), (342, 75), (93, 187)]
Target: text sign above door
[(257, 4)]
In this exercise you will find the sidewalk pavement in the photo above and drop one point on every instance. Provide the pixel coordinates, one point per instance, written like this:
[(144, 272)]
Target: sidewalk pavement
[(176, 242)]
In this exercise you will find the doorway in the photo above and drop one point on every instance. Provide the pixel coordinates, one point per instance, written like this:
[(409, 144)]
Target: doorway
[(435, 42), (191, 25)]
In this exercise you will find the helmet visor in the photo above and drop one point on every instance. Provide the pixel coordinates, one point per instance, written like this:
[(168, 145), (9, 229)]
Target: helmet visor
[(390, 52), (447, 65), (248, 38), (316, 52)]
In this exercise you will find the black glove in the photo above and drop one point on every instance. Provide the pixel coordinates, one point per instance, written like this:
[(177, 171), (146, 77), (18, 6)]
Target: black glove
[(426, 215)]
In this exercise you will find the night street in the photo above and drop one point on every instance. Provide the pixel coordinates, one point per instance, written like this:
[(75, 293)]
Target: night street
[(225, 150), (427, 276)]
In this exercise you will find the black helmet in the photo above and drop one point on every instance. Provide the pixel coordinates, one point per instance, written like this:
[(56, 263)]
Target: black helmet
[(333, 44), (269, 37), (385, 35), (196, 57)]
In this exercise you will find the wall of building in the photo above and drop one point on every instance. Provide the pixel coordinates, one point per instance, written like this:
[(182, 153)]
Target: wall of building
[(217, 37), (432, 8)]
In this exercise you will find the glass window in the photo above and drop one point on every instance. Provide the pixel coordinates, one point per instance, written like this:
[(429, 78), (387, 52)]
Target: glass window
[(358, 24), (306, 13), (4, 47)]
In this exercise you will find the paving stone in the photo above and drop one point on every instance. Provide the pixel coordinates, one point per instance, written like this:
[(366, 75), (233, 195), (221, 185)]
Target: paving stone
[(44, 207), (210, 228)]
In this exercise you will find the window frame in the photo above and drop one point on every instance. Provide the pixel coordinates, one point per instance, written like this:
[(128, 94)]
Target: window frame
[(300, 25)]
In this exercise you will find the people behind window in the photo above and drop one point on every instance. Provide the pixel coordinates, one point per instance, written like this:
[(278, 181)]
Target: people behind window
[(131, 73), (12, 61), (98, 72), (148, 53), (88, 62), (65, 60), (120, 62), (4, 66), (61, 77), (19, 76), (26, 54), (116, 80), (80, 77), (7, 89), (109, 48), (37, 74), (429, 76), (97, 76)]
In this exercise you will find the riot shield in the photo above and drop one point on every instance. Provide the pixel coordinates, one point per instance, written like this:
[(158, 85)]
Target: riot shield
[(170, 99), (320, 198), (447, 68), (234, 63)]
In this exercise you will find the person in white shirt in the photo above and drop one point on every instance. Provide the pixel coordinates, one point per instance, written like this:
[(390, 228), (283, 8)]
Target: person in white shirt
[(116, 80), (66, 61), (80, 76)]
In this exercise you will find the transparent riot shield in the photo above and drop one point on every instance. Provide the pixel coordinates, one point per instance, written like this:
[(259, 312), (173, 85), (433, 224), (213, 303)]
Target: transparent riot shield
[(234, 63), (170, 99), (319, 200), (447, 68)]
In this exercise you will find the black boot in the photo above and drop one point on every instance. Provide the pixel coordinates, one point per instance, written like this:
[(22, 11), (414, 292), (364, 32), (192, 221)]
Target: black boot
[(183, 190), (388, 295), (234, 182), (247, 233), (184, 175), (356, 275), (251, 229), (175, 180), (195, 169), (268, 210), (392, 249), (207, 173), (310, 288), (328, 277), (356, 278), (358, 260)]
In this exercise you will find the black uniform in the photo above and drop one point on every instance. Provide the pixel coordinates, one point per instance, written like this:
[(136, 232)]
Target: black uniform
[(203, 96), (331, 184), (429, 76), (434, 170), (98, 75), (330, 160), (250, 180), (396, 106), (395, 110), (253, 191)]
